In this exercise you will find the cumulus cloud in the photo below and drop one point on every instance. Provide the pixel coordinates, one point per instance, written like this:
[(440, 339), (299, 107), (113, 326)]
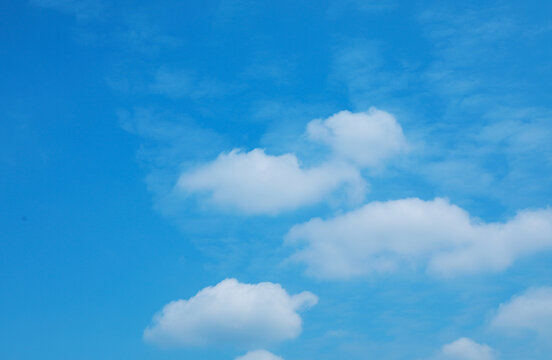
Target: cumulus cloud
[(529, 311), (366, 138), (231, 313), (443, 238), (466, 349), (256, 183), (259, 355)]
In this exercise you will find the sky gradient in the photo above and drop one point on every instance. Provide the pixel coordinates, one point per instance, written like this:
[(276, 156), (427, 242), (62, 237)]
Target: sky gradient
[(289, 180)]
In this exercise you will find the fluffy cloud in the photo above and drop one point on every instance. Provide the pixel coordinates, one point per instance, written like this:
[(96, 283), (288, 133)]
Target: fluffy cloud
[(365, 138), (231, 313), (256, 183), (384, 236), (466, 349), (531, 311), (259, 355)]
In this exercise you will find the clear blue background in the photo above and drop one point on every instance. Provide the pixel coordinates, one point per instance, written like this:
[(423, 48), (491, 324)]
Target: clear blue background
[(90, 249)]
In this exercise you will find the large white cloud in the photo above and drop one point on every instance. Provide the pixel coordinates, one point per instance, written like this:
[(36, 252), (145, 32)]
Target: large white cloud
[(466, 349), (529, 311), (259, 355), (231, 313), (256, 183), (366, 138), (443, 238)]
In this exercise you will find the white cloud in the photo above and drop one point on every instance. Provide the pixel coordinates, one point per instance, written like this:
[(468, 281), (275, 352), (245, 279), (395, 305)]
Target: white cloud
[(259, 355), (231, 313), (531, 311), (366, 138), (257, 183), (443, 238), (466, 349)]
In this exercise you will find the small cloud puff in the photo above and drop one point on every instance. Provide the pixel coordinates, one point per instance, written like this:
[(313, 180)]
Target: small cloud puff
[(387, 236), (243, 315), (466, 349), (259, 355), (529, 311), (256, 183), (366, 138)]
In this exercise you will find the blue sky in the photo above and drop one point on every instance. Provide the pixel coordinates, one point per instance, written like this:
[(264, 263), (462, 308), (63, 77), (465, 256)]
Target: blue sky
[(276, 180)]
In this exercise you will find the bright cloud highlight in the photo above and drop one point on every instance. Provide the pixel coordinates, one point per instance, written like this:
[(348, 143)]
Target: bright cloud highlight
[(259, 355), (407, 233), (231, 313), (256, 183), (365, 138), (529, 311), (466, 349)]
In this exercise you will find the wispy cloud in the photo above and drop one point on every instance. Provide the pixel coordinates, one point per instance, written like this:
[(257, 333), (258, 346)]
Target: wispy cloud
[(348, 7), (139, 32), (266, 68), (484, 135), (173, 83), (182, 83), (370, 79), (170, 141)]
